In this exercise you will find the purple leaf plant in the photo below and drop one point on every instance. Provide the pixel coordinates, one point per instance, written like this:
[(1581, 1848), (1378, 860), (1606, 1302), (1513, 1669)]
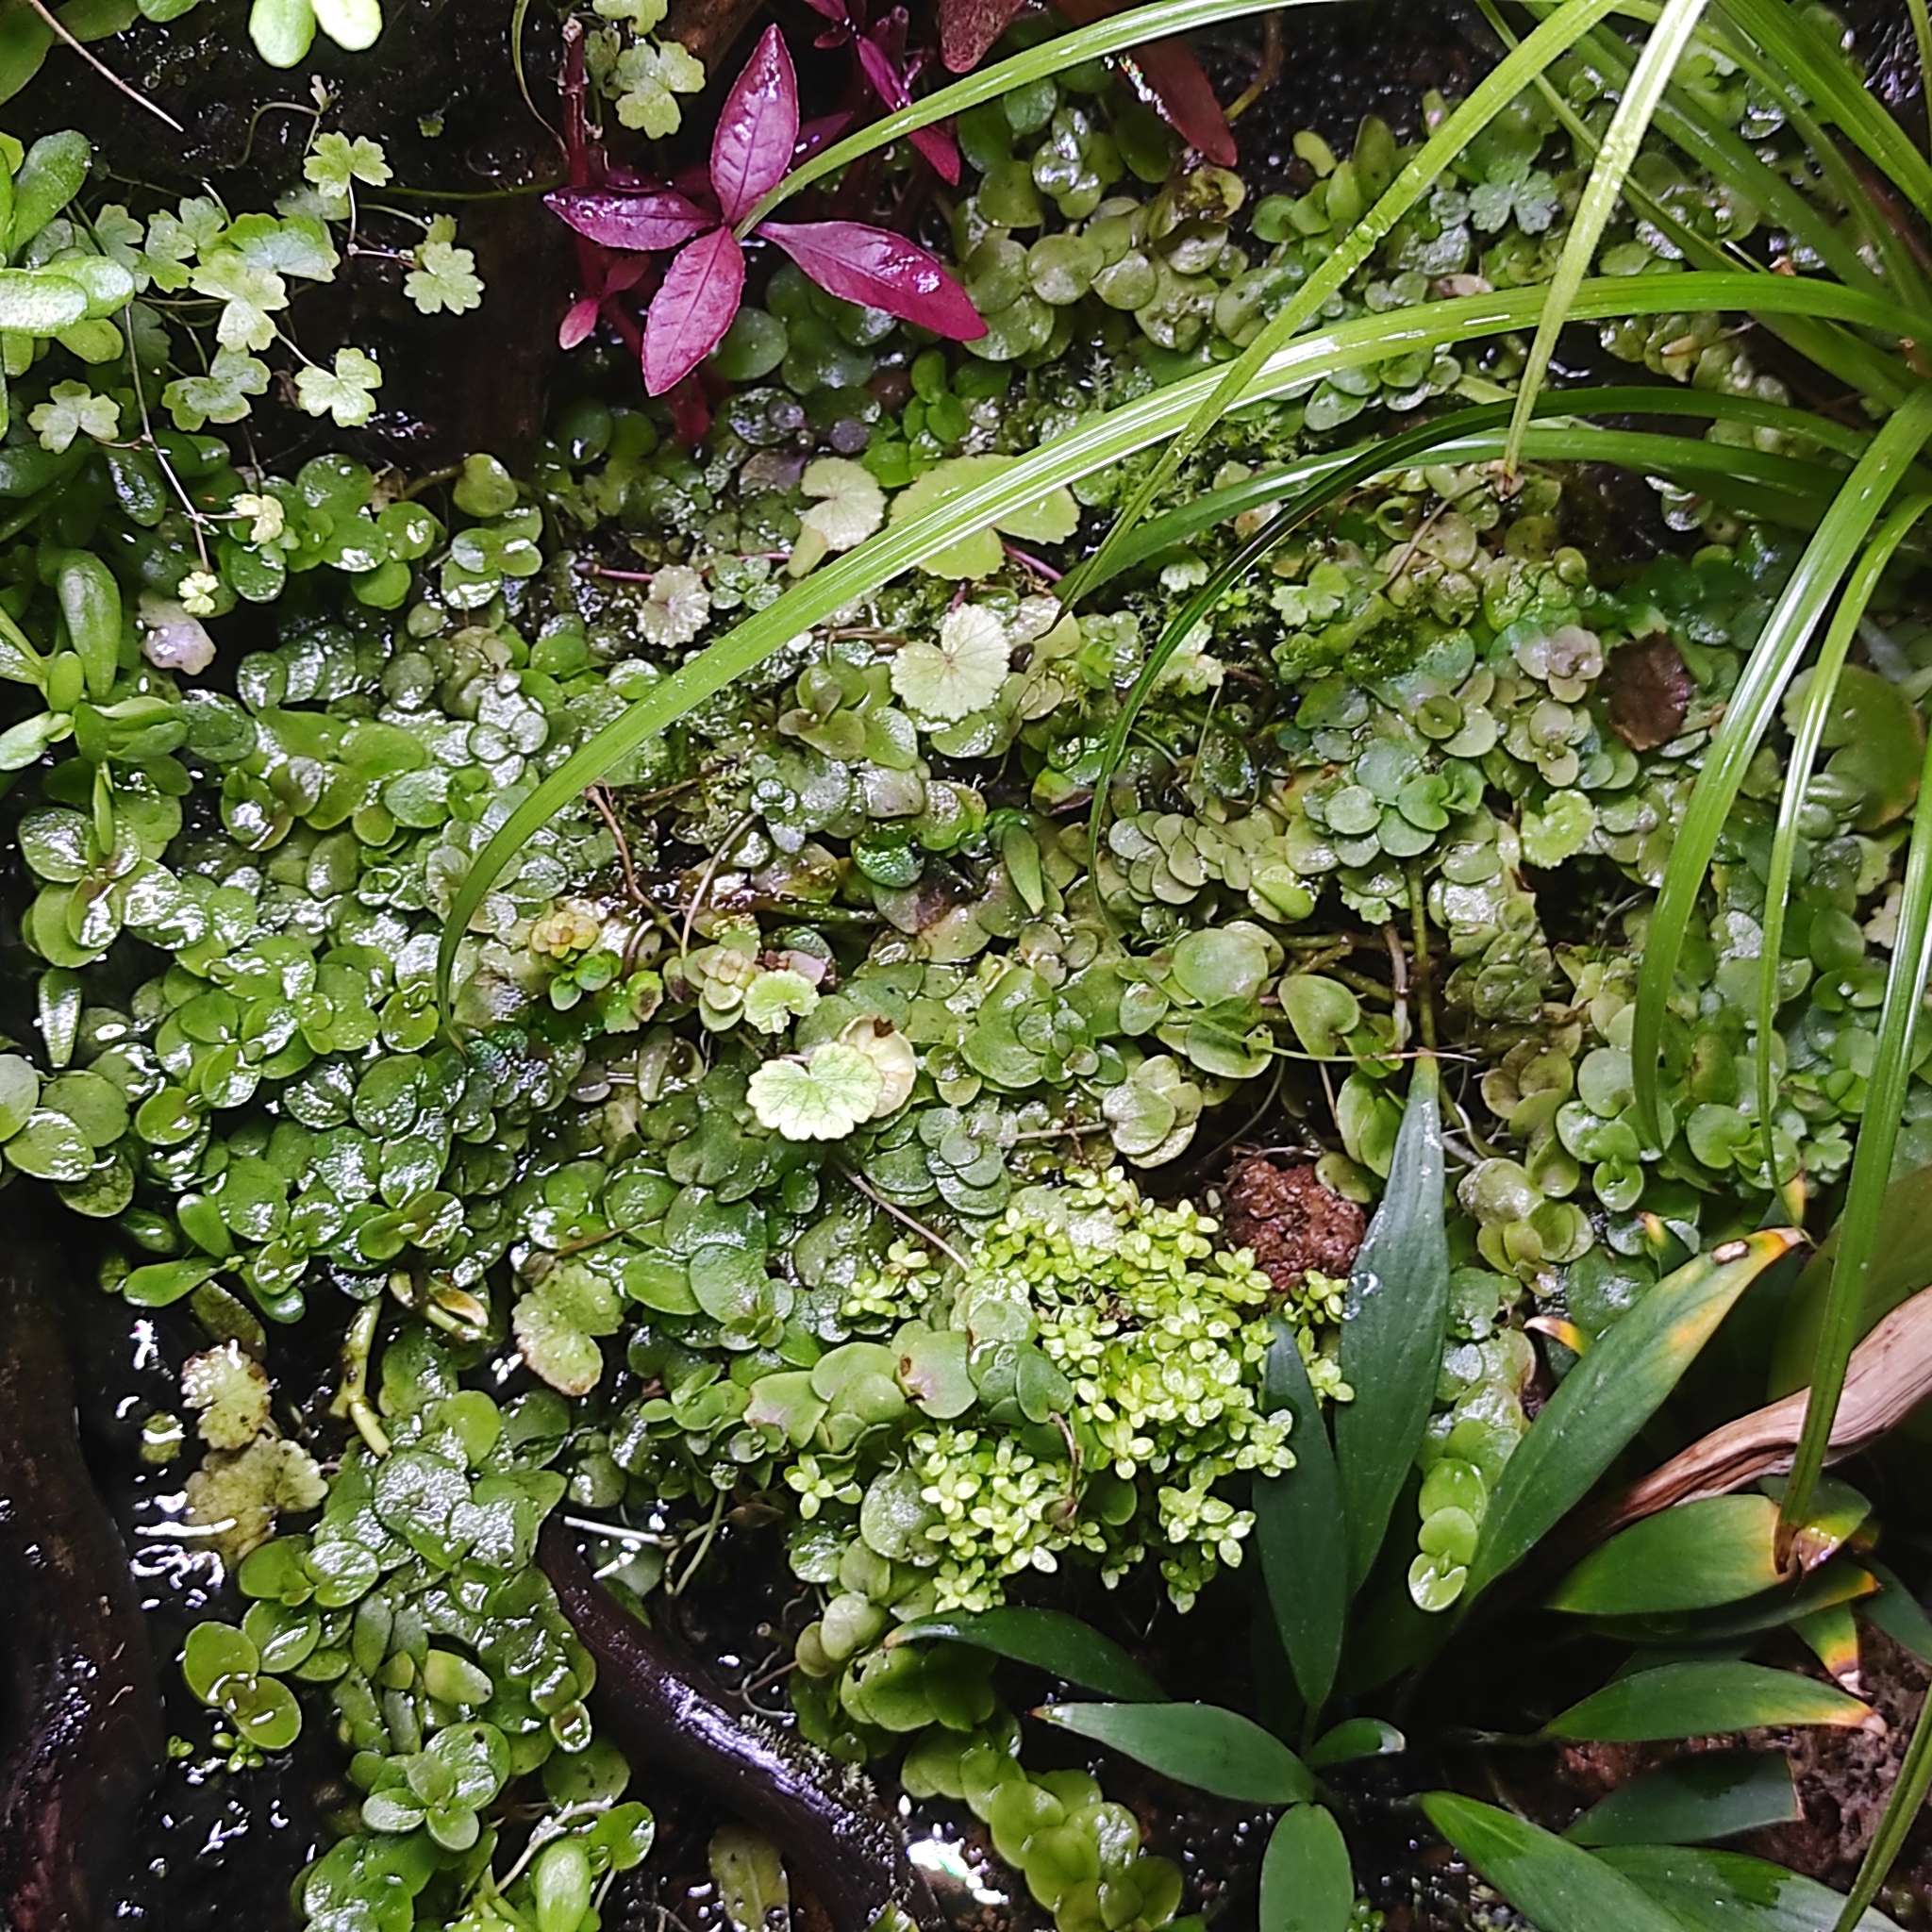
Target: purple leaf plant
[(880, 52), (702, 284)]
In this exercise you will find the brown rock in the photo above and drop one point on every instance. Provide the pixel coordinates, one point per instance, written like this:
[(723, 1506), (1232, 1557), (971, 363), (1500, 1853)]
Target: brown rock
[(1292, 1220), (1649, 691)]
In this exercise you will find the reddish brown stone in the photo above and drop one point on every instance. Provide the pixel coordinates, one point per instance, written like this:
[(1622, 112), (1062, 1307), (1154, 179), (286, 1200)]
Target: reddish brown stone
[(1290, 1220)]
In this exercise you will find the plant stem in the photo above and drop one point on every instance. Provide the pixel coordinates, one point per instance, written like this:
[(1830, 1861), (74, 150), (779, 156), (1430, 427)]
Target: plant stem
[(101, 67)]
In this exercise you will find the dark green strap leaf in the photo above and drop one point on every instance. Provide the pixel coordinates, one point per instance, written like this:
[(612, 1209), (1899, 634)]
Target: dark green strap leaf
[(1307, 1882), (1609, 1396), (1199, 1744), (1699, 1700), (1050, 1640), (1560, 1887), (1302, 1531), (1725, 1891), (1712, 1794), (1392, 1327)]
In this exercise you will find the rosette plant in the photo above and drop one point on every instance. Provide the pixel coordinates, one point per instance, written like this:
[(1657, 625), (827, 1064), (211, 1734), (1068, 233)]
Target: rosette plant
[(705, 230)]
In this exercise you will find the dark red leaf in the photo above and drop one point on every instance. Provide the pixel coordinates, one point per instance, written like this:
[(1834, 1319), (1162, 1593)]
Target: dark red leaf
[(890, 85), (1187, 98), (654, 219), (692, 309), (1175, 79), (758, 127), (968, 28), (879, 271), (814, 135)]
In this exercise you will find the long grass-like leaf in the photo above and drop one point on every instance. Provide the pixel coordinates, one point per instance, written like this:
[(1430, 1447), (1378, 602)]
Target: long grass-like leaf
[(1711, 145), (1614, 161), (1775, 656), (1805, 56), (1485, 102), (1804, 755), (1457, 438), (1878, 1125), (1901, 1812), (1088, 447), (1119, 34)]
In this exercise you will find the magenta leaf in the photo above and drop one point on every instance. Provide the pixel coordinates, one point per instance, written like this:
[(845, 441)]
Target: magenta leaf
[(888, 83), (693, 308), (648, 219), (836, 11), (879, 271), (758, 127)]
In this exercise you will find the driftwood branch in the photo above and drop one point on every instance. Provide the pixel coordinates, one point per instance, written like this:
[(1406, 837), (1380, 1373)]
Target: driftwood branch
[(1891, 1373)]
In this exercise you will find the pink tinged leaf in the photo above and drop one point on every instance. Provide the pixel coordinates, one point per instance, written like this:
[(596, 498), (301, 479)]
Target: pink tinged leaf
[(888, 83), (651, 220), (579, 321), (757, 128), (693, 308), (968, 28), (879, 271)]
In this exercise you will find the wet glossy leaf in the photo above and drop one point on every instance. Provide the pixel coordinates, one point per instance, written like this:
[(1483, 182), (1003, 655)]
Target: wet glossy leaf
[(1610, 1394), (1392, 1327), (693, 308), (1695, 1700), (1200, 1744), (652, 219), (1050, 1640), (1712, 1794), (878, 270), (1686, 1559), (758, 128), (1559, 1886), (1307, 1884), (1355, 1739), (1725, 1891)]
